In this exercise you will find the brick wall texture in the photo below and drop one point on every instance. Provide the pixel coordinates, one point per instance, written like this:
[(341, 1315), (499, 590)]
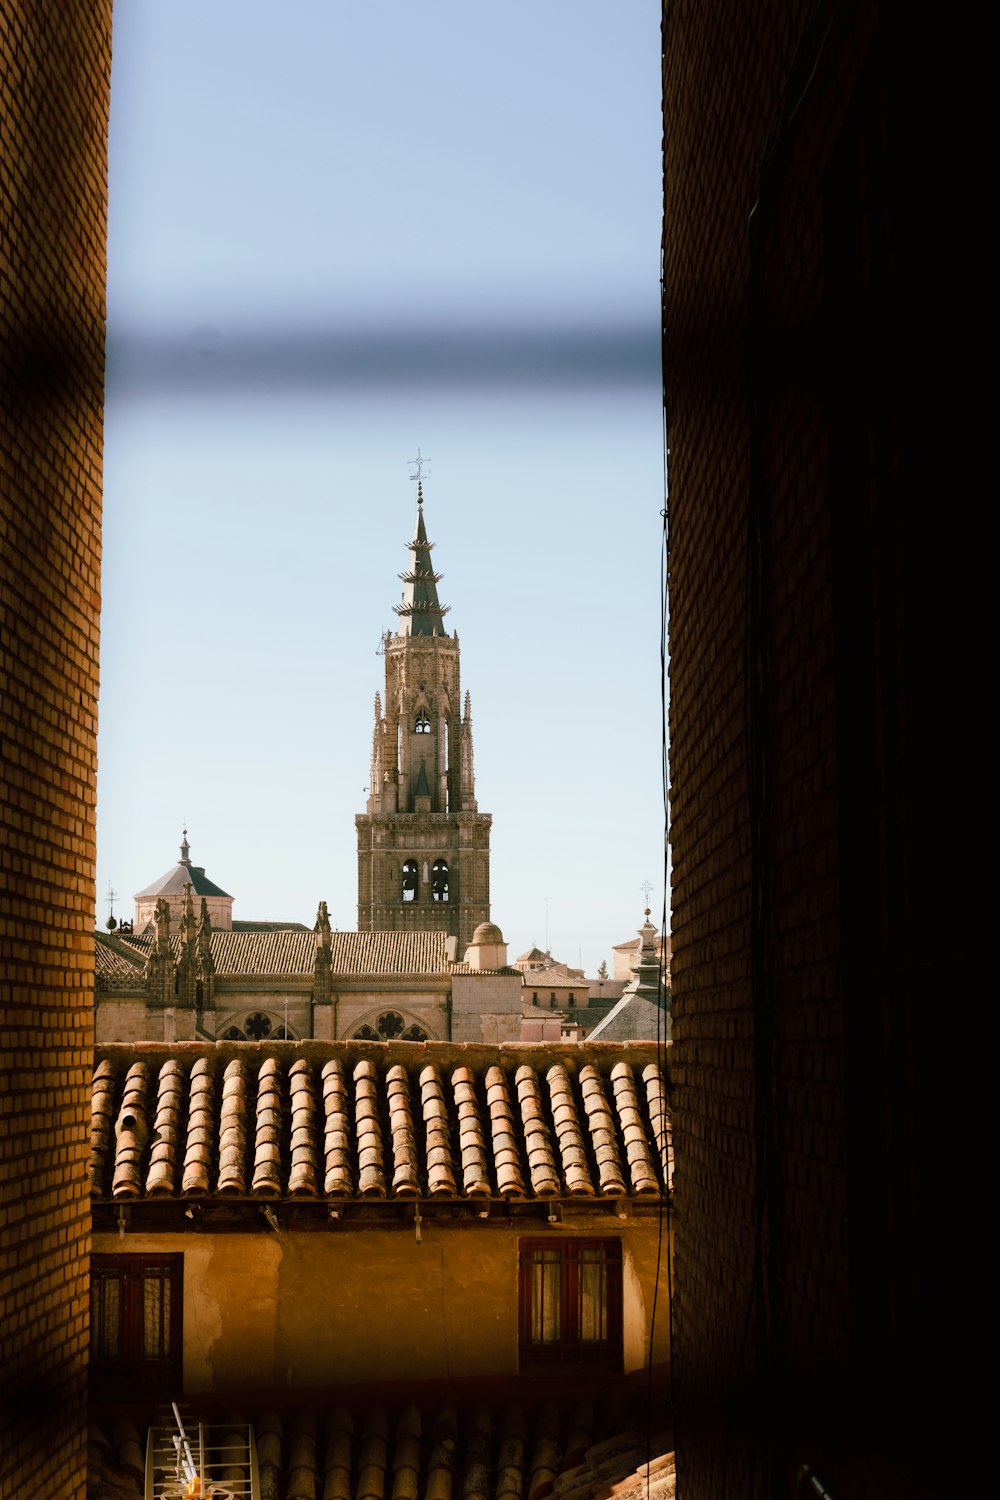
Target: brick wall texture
[(801, 743), (54, 80)]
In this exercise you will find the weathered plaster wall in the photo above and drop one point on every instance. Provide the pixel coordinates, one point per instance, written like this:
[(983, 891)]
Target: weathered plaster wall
[(486, 1007), (367, 1305)]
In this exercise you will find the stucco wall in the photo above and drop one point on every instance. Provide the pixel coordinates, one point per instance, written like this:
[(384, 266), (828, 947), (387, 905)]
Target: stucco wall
[(371, 1304)]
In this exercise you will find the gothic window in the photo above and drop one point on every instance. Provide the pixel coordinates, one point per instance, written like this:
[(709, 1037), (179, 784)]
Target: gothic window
[(257, 1026), (135, 1321), (409, 880), (439, 880), (234, 1034), (390, 1026), (423, 724), (571, 1304)]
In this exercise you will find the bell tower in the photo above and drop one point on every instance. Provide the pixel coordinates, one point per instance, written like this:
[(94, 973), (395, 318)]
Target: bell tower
[(423, 844)]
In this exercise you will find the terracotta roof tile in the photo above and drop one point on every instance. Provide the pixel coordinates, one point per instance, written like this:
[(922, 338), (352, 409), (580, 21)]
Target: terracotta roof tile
[(302, 1173), (440, 1177), (371, 1173), (200, 1130), (233, 1130), (568, 1133), (101, 1106), (337, 1135), (163, 1157), (131, 1134), (267, 1141), (537, 1140), (445, 1454), (348, 1120)]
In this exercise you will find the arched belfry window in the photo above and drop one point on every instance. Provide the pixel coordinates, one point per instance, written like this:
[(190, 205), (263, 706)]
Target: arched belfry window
[(439, 880), (423, 724), (409, 880)]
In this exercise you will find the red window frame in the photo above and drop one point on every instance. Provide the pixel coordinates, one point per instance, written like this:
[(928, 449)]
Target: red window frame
[(136, 1323), (570, 1304)]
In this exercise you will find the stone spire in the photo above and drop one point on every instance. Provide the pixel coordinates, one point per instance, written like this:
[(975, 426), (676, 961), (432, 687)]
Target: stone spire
[(422, 814), (420, 612)]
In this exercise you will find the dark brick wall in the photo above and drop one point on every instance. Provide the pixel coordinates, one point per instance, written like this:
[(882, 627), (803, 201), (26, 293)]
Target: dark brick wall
[(54, 82), (801, 741)]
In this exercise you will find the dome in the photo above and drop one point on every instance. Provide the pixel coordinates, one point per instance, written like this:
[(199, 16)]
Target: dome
[(487, 932)]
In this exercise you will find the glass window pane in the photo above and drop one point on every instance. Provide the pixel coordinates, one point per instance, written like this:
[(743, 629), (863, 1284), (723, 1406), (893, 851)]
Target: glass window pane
[(155, 1315), (546, 1283), (593, 1301), (107, 1334)]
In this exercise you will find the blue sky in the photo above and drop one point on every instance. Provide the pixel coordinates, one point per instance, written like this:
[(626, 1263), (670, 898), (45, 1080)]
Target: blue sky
[(369, 229)]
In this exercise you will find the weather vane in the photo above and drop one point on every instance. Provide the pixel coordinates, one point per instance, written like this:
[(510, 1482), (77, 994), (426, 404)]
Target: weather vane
[(418, 464)]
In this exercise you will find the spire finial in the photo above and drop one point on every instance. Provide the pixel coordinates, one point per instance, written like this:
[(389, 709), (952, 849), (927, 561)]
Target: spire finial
[(418, 464), (185, 848)]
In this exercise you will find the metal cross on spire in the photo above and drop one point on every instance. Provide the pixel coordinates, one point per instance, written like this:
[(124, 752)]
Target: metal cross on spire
[(646, 889), (418, 464)]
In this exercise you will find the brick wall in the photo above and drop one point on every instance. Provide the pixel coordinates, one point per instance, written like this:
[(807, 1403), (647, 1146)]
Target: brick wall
[(54, 80), (800, 739)]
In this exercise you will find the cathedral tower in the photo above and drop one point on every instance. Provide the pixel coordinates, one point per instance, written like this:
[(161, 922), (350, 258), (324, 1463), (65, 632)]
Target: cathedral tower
[(423, 846)]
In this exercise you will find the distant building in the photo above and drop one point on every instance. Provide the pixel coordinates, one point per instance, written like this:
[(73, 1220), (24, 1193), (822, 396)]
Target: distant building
[(626, 954), (560, 1001), (171, 887), (255, 981), (426, 961), (423, 844), (643, 1012)]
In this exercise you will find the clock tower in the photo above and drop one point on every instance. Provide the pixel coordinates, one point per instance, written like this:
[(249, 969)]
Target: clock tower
[(423, 844)]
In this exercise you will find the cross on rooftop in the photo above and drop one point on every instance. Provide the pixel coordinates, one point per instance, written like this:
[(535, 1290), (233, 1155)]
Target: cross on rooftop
[(418, 464)]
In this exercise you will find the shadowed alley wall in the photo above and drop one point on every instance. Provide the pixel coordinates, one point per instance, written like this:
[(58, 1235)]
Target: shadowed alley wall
[(802, 742), (54, 83)]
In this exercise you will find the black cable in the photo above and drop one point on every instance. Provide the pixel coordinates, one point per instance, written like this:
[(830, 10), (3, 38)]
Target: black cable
[(664, 1144)]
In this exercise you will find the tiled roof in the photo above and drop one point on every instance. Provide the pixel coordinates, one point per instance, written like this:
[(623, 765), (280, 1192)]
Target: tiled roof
[(371, 1121), (251, 926), (183, 873), (117, 965), (288, 951), (580, 1451)]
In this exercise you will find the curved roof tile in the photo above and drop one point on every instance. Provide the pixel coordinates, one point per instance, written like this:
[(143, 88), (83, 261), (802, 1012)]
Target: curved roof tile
[(390, 1121)]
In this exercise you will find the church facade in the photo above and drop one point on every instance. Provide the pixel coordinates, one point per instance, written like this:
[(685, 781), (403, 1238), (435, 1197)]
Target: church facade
[(423, 844)]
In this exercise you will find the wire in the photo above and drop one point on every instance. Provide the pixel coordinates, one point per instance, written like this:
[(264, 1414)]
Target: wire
[(664, 1144)]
